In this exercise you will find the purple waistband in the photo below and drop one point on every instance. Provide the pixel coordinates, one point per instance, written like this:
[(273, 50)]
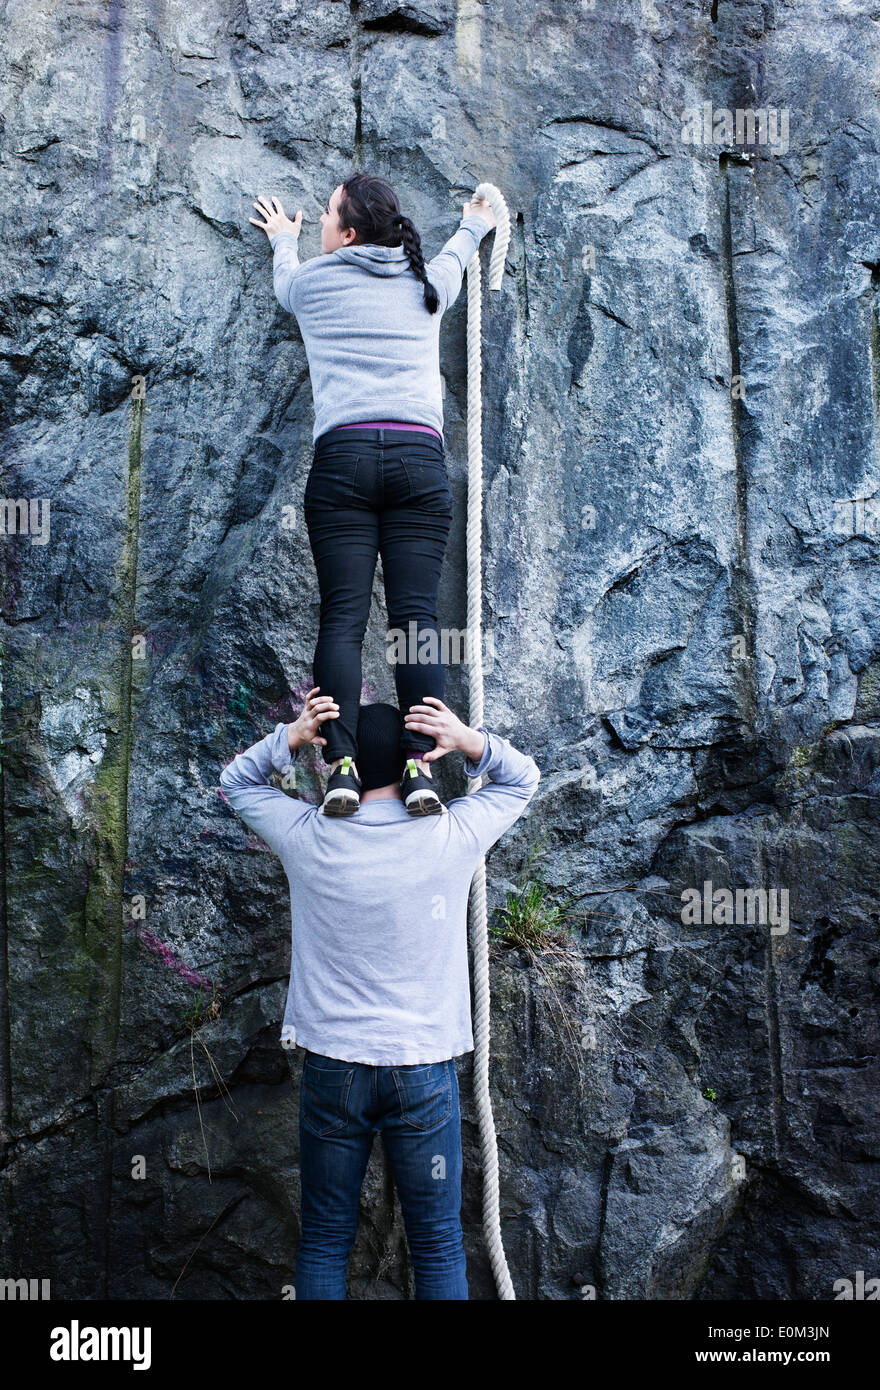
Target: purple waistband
[(389, 425)]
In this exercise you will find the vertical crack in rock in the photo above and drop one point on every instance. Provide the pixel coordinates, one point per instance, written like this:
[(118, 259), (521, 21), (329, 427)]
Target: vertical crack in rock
[(521, 271), (742, 584), (356, 73), (777, 1108), (5, 1039), (774, 1046), (874, 348), (104, 897), (111, 876)]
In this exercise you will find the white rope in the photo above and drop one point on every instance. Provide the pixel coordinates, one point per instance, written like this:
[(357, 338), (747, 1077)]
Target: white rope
[(479, 932)]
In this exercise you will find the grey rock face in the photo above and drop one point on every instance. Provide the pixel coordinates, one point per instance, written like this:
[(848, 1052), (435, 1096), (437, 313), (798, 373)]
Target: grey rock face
[(682, 459)]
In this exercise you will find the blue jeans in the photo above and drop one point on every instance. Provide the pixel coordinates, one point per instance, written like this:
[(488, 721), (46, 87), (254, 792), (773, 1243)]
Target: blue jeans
[(416, 1110), (374, 492)]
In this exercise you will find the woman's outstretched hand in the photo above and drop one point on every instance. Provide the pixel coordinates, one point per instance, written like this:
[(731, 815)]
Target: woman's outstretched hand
[(482, 207), (449, 733), (276, 219), (316, 709)]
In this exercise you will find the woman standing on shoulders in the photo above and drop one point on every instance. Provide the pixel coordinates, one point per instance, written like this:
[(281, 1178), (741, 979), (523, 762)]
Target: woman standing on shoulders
[(369, 310)]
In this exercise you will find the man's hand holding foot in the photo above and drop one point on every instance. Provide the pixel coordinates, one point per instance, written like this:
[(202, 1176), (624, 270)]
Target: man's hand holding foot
[(448, 731), (316, 710)]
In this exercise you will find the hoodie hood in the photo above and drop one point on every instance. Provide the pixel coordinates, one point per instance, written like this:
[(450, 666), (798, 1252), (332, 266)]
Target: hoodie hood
[(378, 260)]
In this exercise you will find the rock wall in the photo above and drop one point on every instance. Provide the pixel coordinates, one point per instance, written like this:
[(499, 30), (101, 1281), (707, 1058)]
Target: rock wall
[(682, 385)]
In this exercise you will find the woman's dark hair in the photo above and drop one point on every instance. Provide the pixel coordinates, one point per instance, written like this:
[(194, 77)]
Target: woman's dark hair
[(369, 205)]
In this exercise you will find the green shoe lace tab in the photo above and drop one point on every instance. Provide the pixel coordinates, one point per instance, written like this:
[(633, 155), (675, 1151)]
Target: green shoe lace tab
[(346, 765), (411, 767)]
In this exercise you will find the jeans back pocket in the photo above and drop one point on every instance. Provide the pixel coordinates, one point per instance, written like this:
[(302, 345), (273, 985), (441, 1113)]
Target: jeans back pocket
[(428, 481), (324, 1092), (332, 479), (425, 1094)]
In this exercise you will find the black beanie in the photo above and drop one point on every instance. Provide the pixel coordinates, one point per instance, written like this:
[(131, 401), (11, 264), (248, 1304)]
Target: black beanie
[(379, 758)]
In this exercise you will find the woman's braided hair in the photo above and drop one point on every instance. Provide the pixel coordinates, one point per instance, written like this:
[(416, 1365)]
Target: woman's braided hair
[(369, 205)]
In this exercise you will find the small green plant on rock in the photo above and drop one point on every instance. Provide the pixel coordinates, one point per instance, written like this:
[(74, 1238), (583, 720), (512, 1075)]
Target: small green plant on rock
[(534, 914), (543, 921), (202, 1009)]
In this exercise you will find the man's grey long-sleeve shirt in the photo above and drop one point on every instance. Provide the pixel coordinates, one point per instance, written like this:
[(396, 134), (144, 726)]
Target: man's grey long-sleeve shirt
[(379, 966), (372, 346)]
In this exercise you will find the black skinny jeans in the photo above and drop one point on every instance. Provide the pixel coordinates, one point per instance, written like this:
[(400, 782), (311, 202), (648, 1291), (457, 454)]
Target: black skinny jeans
[(377, 492)]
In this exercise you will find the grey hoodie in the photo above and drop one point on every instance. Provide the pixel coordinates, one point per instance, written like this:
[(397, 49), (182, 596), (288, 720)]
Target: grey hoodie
[(372, 346)]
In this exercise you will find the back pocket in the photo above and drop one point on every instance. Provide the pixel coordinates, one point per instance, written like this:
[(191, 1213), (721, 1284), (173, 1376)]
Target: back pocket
[(428, 481), (324, 1097), (332, 479), (425, 1094)]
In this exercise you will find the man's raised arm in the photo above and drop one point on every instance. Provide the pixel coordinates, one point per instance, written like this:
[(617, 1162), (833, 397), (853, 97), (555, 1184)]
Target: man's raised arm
[(265, 808), (483, 815), (513, 780)]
